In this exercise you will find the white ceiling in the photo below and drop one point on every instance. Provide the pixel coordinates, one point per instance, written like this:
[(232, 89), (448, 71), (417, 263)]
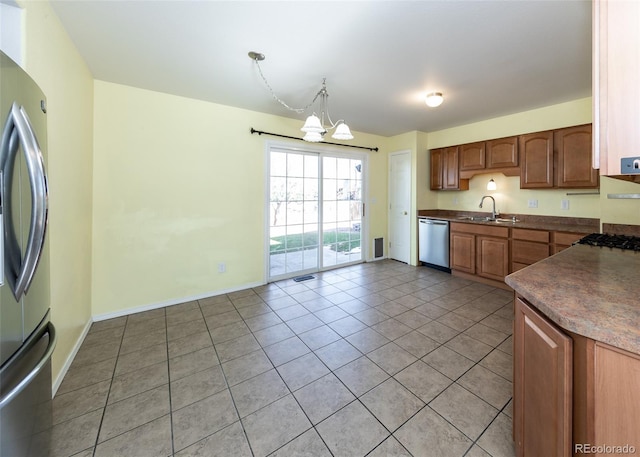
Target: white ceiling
[(380, 58)]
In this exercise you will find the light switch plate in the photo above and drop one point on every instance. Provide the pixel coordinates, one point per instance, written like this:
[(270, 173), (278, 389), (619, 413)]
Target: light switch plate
[(564, 204)]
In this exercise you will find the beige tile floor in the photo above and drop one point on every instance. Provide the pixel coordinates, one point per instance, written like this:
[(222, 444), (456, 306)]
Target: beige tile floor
[(378, 359)]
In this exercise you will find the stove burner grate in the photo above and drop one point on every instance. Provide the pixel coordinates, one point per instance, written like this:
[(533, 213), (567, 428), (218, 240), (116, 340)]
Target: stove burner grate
[(612, 241)]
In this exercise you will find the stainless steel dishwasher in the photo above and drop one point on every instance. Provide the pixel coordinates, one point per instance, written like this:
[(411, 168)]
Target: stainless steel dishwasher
[(433, 241)]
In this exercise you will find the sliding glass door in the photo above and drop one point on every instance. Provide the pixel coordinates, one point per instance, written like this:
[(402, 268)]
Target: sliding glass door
[(315, 211), (341, 210)]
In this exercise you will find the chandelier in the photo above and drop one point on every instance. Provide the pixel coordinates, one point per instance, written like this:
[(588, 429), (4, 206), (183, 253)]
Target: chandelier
[(315, 127)]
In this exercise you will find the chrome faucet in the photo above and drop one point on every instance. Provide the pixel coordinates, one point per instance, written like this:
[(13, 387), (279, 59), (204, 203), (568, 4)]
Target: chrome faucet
[(493, 212)]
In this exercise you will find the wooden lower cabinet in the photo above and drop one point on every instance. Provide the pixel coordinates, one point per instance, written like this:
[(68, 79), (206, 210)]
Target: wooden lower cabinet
[(563, 240), (463, 252), (492, 252), (528, 247), (616, 399), (543, 380), (479, 252), (492, 258), (571, 395)]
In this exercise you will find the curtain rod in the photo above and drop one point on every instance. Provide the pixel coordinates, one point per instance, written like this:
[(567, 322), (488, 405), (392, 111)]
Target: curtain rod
[(259, 132)]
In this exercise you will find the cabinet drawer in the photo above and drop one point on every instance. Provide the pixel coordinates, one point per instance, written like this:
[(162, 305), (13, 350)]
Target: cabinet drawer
[(528, 252), (541, 236), (515, 266), (566, 238), (479, 229)]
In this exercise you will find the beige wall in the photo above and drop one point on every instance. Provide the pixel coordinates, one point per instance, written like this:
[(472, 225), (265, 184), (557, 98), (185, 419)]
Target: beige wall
[(52, 60), (619, 211), (179, 187)]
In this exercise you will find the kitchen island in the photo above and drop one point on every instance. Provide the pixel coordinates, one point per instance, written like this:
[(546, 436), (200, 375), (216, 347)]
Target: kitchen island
[(576, 353)]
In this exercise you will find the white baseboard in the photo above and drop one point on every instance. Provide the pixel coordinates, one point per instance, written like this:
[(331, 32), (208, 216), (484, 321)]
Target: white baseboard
[(69, 359), (126, 312), (177, 301)]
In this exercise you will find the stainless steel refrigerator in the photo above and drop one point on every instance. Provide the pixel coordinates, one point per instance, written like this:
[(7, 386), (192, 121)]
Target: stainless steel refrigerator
[(27, 337)]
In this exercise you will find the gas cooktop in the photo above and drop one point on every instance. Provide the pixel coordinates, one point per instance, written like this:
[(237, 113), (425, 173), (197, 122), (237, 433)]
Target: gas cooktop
[(612, 241)]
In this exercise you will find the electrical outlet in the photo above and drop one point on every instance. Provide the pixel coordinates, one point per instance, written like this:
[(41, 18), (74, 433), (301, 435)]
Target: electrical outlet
[(564, 204), (533, 203), (455, 200), (222, 268)]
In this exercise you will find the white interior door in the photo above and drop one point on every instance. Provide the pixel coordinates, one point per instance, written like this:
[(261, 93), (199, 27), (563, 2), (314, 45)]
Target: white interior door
[(400, 206)]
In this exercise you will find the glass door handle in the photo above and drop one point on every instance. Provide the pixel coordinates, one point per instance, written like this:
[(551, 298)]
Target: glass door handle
[(19, 132)]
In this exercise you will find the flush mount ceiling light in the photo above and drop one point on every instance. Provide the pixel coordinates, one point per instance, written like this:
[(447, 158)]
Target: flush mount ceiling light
[(315, 127), (491, 185), (434, 99)]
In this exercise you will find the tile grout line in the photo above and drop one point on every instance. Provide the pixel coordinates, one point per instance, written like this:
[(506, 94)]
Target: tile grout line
[(106, 404), (166, 324), (228, 386)]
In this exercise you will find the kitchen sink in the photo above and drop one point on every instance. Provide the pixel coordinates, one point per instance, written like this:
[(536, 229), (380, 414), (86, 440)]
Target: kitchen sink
[(487, 219), (474, 218)]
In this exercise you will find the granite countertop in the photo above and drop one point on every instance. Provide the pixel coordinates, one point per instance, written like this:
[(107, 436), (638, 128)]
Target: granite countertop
[(525, 221), (587, 290)]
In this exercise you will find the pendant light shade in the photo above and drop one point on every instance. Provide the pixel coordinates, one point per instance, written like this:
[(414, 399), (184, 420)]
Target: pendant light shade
[(312, 125), (313, 137), (491, 185), (342, 132)]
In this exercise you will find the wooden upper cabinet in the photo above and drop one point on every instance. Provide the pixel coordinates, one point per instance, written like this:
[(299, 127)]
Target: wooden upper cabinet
[(536, 154), (502, 153), (445, 173), (451, 177), (573, 154), (559, 158), (436, 169), (472, 156)]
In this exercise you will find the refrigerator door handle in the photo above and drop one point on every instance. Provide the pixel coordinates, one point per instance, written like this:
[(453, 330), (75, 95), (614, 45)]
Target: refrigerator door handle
[(45, 327), (18, 125)]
